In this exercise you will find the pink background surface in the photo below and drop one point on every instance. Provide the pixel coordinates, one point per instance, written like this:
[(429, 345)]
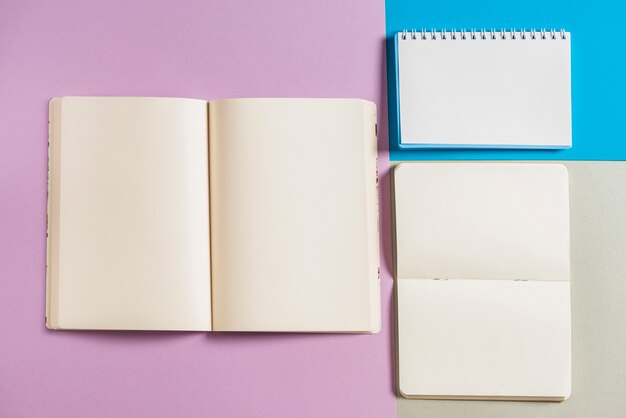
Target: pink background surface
[(202, 50)]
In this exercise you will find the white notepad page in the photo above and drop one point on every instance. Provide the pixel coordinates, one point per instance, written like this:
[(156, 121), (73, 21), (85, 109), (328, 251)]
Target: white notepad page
[(507, 90), (483, 280)]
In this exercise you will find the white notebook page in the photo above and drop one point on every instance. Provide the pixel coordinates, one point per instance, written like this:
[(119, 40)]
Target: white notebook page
[(484, 92)]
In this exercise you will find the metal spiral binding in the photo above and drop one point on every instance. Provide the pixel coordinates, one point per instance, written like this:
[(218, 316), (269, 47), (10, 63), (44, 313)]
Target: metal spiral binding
[(483, 33)]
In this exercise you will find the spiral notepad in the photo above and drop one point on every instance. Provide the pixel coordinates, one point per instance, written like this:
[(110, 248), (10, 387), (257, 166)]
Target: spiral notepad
[(484, 89)]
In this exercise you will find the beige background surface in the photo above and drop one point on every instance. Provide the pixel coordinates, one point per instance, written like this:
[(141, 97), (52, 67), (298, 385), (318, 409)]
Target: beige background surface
[(598, 240)]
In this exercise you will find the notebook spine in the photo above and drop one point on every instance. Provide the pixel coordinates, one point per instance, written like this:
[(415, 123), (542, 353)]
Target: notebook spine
[(483, 34)]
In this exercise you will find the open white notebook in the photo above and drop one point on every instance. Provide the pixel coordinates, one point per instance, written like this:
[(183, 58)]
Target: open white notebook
[(483, 89), (483, 270), (229, 215)]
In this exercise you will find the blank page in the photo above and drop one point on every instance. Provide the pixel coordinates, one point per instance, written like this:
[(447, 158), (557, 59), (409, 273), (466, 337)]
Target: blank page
[(482, 221), (502, 92), (294, 215), (128, 213), (484, 339)]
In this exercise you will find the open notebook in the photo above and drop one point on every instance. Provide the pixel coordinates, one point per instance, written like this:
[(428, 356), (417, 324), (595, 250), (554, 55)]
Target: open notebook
[(483, 89), (229, 215), (483, 270)]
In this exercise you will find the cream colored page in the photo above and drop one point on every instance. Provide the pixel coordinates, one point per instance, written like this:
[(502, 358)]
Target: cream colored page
[(482, 221), (294, 215), (484, 338), (129, 227)]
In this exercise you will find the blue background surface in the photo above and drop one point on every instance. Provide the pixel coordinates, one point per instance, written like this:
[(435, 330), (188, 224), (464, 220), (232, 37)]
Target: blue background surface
[(598, 44)]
